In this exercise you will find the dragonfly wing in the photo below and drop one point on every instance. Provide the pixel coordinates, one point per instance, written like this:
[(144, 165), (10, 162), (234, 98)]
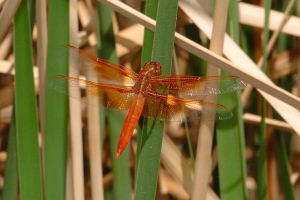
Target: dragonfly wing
[(116, 99), (198, 87), (112, 96), (172, 108), (105, 69)]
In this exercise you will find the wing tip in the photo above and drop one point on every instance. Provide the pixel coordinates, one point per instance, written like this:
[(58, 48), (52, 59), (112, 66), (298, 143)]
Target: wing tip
[(59, 77), (71, 46)]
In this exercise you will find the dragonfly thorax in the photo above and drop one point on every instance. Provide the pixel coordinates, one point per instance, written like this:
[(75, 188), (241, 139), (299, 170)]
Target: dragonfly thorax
[(143, 83), (152, 67)]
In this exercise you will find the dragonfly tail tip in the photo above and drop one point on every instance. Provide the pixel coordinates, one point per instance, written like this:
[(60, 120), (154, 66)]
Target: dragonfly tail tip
[(118, 153)]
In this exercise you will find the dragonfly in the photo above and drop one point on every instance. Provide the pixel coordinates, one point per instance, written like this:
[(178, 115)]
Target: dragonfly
[(148, 93)]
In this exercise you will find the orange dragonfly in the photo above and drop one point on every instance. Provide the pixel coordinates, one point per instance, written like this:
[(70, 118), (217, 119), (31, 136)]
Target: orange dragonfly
[(139, 92)]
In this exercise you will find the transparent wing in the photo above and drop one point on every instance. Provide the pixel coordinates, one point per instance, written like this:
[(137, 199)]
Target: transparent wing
[(194, 86), (172, 108), (112, 96), (105, 69)]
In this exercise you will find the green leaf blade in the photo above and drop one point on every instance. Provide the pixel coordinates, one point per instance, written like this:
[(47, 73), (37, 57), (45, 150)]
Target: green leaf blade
[(56, 116), (230, 133), (149, 142), (28, 152)]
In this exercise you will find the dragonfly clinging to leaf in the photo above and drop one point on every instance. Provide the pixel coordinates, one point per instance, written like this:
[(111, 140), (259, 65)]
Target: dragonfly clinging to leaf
[(148, 93)]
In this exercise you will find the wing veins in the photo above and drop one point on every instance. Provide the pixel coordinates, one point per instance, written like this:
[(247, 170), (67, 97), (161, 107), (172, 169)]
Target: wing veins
[(100, 62)]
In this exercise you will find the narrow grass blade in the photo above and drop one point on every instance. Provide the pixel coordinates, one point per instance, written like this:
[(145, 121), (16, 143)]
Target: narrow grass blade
[(28, 153), (149, 145), (41, 24), (207, 122), (10, 187), (120, 166), (121, 175), (95, 140), (75, 125), (262, 183), (7, 13), (56, 121), (150, 10), (284, 175), (230, 133), (280, 142), (283, 38)]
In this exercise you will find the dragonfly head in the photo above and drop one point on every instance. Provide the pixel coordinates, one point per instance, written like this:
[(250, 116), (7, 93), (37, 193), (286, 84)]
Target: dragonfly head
[(153, 67)]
